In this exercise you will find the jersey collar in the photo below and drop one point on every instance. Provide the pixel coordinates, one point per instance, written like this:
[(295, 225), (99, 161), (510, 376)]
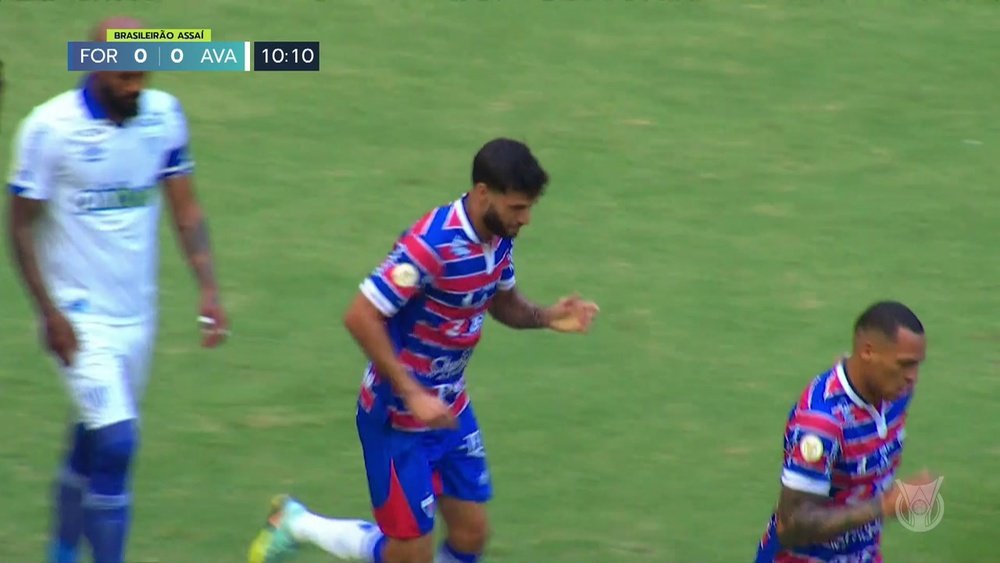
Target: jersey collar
[(463, 217), (89, 98), (88, 95), (877, 414)]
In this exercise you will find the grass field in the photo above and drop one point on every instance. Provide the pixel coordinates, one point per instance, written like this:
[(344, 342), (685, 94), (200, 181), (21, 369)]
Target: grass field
[(731, 182)]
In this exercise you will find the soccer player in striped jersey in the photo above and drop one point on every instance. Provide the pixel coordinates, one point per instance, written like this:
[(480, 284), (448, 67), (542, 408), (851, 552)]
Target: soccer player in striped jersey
[(842, 445), (418, 318)]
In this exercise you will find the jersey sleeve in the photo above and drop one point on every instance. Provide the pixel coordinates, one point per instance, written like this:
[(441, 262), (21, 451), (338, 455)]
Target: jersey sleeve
[(813, 442), (177, 160), (507, 280), (406, 271), (32, 169)]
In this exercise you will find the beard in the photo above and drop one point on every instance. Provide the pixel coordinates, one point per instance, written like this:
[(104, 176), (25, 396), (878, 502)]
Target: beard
[(125, 106), (492, 221)]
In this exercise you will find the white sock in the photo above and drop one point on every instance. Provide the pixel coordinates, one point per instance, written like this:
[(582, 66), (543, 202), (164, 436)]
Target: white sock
[(346, 539)]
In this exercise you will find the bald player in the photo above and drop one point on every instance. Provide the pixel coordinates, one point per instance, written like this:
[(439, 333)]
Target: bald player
[(91, 167)]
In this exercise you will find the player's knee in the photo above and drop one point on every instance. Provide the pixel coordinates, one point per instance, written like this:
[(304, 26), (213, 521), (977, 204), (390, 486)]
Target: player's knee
[(111, 453), (418, 550), (470, 536)]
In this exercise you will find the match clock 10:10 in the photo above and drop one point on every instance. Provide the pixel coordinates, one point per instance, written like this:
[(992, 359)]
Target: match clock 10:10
[(285, 55)]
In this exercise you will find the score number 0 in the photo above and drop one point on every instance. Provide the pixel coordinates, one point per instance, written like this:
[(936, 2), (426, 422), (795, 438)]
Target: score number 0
[(140, 55)]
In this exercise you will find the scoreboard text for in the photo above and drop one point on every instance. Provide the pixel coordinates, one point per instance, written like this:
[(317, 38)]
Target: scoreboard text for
[(187, 50)]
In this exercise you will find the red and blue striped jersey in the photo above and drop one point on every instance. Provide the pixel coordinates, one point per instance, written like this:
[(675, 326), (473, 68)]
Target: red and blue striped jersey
[(434, 289), (839, 446)]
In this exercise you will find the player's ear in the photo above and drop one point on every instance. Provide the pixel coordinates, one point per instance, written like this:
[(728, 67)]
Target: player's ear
[(481, 192), (865, 349)]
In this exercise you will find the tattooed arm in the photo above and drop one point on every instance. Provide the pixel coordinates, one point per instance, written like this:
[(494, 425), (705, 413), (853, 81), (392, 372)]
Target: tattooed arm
[(192, 231), (512, 309), (806, 518)]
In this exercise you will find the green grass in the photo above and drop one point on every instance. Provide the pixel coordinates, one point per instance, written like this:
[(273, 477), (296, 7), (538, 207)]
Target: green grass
[(732, 182)]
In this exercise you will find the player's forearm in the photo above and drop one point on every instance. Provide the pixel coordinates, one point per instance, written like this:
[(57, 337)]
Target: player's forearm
[(513, 310), (809, 524), (368, 330), (23, 247), (193, 233)]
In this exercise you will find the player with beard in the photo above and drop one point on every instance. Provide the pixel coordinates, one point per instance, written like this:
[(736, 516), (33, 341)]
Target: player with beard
[(418, 317), (90, 170)]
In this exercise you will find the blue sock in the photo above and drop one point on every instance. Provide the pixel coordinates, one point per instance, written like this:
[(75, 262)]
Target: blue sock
[(67, 526), (377, 548), (448, 554), (107, 505)]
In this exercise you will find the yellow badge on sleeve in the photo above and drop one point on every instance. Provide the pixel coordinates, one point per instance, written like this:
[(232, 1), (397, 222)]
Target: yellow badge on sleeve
[(811, 448), (404, 275)]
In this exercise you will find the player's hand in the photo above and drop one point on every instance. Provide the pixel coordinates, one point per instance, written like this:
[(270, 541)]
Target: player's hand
[(60, 336), (213, 322), (430, 410), (571, 314), (896, 504)]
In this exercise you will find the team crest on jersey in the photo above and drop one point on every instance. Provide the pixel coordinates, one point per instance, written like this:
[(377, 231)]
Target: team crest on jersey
[(404, 275), (811, 448)]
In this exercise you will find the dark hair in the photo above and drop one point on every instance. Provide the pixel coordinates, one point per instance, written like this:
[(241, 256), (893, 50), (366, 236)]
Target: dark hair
[(887, 317), (506, 165)]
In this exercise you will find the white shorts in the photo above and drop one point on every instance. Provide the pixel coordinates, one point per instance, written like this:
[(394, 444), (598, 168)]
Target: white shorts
[(109, 374)]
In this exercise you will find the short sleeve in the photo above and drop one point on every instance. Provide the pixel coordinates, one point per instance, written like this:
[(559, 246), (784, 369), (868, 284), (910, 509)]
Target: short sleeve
[(411, 266), (177, 160), (813, 442), (32, 163), (507, 280)]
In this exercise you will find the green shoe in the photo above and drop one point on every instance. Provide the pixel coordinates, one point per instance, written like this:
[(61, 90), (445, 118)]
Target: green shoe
[(275, 543)]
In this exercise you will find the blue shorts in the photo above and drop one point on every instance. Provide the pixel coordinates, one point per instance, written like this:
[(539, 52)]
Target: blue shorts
[(407, 471)]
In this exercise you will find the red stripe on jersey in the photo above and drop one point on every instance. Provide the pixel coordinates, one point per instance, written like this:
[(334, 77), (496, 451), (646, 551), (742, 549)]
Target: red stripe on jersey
[(452, 221), (367, 398), (406, 421), (467, 284), (832, 386), (415, 362), (805, 400), (421, 226), (434, 336), (422, 254), (856, 448), (813, 421), (451, 313), (850, 482)]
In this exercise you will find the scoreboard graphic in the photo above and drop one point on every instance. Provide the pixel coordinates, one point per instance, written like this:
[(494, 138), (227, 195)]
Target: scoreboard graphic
[(167, 50)]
